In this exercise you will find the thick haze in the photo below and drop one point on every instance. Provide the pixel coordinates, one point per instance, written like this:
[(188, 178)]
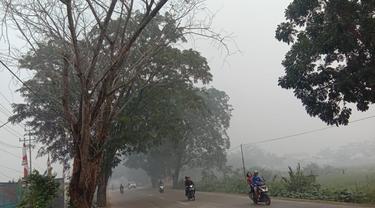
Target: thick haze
[(262, 110)]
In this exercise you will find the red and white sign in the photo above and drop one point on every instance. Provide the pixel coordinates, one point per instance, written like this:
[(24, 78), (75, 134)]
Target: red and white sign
[(24, 161)]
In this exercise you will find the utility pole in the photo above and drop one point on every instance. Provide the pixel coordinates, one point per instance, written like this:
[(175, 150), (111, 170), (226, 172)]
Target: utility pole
[(30, 146), (243, 162), (31, 167)]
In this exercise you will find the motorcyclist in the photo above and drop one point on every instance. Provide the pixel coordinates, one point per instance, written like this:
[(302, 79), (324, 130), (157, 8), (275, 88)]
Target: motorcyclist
[(121, 188), (256, 181), (188, 182), (161, 186)]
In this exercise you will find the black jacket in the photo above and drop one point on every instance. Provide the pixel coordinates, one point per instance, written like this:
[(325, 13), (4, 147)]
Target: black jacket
[(188, 183)]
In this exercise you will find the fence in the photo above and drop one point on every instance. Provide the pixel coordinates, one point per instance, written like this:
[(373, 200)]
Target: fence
[(10, 195)]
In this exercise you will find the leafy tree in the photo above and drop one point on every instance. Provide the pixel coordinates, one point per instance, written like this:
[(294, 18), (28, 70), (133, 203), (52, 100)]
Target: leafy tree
[(52, 130), (331, 61), (192, 133), (98, 99), (94, 60), (40, 192)]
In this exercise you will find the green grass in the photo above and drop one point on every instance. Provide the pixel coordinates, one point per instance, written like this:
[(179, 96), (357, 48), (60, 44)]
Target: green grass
[(351, 179), (357, 186)]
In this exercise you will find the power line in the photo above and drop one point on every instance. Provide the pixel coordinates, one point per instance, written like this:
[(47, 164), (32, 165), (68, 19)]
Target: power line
[(12, 131), (4, 124), (9, 153), (10, 128), (17, 77), (5, 98), (303, 133), (5, 175), (10, 113), (233, 148), (12, 169), (3, 109), (31, 90), (27, 86), (10, 145)]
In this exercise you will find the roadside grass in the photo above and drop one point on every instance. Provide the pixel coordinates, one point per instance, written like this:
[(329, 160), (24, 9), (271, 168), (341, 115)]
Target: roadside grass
[(353, 186), (350, 179)]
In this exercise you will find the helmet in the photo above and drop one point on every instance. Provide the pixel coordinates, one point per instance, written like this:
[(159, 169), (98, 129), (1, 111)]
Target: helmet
[(256, 172)]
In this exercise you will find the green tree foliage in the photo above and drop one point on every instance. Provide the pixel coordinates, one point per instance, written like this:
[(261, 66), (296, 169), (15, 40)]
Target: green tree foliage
[(165, 67), (231, 182), (95, 44), (331, 61), (44, 113), (190, 127), (144, 69), (41, 190)]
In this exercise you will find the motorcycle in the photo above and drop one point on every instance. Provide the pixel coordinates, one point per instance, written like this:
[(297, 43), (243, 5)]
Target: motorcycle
[(191, 193), (262, 195), (161, 188), (132, 186)]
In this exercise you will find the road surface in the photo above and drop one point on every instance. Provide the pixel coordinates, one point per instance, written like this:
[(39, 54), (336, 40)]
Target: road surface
[(175, 199)]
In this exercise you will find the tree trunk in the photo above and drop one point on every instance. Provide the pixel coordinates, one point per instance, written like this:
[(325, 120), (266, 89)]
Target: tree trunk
[(177, 169), (84, 180), (176, 177), (154, 182), (102, 190)]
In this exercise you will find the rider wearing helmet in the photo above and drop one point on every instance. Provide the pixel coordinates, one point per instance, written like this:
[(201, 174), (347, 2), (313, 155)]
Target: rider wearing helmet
[(121, 188), (188, 182), (257, 181)]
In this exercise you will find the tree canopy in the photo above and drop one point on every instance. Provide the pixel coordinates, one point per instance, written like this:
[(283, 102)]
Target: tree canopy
[(331, 62), (191, 132), (167, 66), (90, 60)]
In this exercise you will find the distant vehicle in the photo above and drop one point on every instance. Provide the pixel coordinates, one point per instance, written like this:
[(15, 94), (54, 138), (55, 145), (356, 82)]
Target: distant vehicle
[(161, 188), (132, 186), (261, 196), (191, 193)]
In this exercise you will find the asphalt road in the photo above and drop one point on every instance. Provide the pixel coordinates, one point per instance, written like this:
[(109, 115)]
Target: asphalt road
[(176, 199)]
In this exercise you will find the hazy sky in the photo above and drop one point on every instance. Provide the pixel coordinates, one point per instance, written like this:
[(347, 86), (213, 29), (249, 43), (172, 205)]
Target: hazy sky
[(262, 110)]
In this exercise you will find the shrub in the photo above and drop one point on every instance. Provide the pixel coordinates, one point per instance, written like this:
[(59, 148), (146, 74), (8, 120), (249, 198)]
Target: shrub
[(40, 191), (299, 182)]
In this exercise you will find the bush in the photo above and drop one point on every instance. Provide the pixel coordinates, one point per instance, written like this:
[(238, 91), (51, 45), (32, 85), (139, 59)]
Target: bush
[(232, 183), (299, 182), (40, 191), (296, 185)]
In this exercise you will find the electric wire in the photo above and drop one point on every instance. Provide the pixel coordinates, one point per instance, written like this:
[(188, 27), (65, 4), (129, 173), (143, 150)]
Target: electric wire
[(12, 169), (303, 133), (5, 175), (9, 153), (27, 86)]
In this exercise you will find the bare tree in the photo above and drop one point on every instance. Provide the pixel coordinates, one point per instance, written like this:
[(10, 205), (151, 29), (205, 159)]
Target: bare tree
[(94, 57)]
